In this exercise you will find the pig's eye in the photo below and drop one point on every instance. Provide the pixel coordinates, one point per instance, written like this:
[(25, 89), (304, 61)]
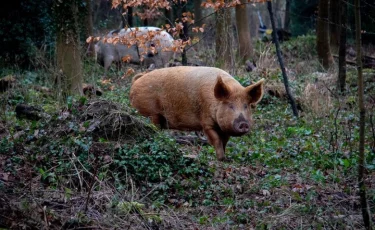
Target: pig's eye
[(231, 106), (245, 106)]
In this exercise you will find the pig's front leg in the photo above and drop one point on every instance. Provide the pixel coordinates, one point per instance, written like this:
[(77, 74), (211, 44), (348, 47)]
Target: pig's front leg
[(218, 141)]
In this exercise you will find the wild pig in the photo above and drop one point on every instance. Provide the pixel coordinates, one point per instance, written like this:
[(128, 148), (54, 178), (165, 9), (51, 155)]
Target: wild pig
[(147, 45), (196, 99)]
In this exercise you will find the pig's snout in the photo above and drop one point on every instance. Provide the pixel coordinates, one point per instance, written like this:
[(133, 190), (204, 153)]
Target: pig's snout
[(241, 125)]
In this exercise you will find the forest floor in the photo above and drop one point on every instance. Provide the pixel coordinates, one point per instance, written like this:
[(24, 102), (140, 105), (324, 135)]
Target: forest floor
[(94, 163)]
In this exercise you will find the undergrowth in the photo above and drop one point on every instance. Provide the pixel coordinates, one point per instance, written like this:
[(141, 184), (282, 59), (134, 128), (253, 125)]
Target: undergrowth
[(287, 173)]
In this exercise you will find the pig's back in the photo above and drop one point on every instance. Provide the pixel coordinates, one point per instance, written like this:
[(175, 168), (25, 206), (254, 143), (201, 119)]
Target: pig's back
[(183, 75), (180, 82), (181, 94)]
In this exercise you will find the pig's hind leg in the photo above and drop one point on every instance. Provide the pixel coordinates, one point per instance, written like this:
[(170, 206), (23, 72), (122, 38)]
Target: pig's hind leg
[(159, 120)]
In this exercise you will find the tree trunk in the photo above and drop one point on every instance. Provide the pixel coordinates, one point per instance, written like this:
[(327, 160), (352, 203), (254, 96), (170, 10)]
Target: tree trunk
[(169, 19), (68, 53), (342, 48), (122, 11), (184, 34), (334, 24), (130, 16), (362, 112), (198, 12), (145, 21), (89, 27), (222, 39), (287, 15), (96, 11), (278, 52), (323, 46), (243, 30), (276, 13), (126, 17)]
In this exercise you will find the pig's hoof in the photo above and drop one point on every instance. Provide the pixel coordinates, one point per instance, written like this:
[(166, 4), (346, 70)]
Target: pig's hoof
[(223, 159)]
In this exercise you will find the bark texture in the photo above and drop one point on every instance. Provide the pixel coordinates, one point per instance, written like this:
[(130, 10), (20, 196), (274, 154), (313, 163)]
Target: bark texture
[(130, 17), (334, 24), (342, 48), (323, 41), (287, 15), (169, 16), (198, 12), (243, 30), (362, 112), (184, 34), (68, 53), (222, 39), (280, 58), (89, 27)]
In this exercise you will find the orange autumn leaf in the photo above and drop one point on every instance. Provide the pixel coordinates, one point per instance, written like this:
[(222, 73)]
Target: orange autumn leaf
[(126, 58), (89, 39), (130, 71)]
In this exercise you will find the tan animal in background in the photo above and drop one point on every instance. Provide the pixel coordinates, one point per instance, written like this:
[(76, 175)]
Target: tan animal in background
[(196, 99)]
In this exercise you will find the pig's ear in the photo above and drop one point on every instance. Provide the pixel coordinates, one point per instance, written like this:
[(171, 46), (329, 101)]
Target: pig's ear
[(255, 91), (221, 90)]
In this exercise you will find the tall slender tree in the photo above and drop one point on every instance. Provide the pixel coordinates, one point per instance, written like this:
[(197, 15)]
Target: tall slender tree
[(184, 33), (287, 15), (342, 48), (89, 26), (323, 41), (129, 17), (222, 38), (362, 114), (334, 24), (280, 58), (276, 12), (68, 52), (126, 16), (198, 12), (168, 14), (243, 30)]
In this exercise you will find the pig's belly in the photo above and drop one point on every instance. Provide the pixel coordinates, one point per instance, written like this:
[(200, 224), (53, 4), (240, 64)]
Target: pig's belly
[(188, 123)]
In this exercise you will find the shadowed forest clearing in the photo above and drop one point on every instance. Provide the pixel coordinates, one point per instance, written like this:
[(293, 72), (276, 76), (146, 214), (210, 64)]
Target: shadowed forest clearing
[(91, 161)]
